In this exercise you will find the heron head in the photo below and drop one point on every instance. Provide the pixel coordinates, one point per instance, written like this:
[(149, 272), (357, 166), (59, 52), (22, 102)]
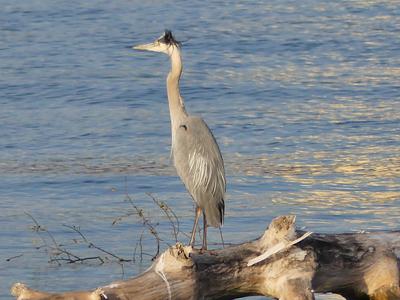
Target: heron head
[(164, 44)]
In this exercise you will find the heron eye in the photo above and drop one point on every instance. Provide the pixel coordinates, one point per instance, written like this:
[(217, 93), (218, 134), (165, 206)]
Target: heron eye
[(184, 127)]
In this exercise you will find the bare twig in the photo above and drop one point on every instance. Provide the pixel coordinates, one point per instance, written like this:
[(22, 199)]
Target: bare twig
[(141, 247), (169, 213), (120, 218), (59, 254), (71, 261), (77, 230), (38, 228), (14, 257), (145, 221), (92, 245)]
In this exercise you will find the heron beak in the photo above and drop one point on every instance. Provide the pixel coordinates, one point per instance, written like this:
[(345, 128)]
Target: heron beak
[(145, 47)]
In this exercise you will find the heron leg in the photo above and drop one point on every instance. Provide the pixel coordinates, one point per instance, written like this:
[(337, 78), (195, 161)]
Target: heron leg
[(204, 247), (222, 238), (196, 220)]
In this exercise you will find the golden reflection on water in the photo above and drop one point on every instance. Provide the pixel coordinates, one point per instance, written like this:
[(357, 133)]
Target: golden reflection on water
[(350, 167), (359, 185)]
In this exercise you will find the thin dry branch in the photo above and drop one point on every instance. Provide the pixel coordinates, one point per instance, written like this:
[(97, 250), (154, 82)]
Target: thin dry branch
[(146, 222), (59, 254), (92, 245), (14, 257), (169, 213)]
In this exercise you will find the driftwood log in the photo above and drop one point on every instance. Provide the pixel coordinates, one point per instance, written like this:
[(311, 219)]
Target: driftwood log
[(278, 265)]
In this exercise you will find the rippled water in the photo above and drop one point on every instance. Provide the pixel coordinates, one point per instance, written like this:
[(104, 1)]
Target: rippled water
[(303, 98)]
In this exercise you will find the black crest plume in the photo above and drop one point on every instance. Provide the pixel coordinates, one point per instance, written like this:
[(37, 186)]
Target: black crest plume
[(169, 39)]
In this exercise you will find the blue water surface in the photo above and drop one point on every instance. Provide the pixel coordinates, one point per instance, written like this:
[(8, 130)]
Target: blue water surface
[(302, 96)]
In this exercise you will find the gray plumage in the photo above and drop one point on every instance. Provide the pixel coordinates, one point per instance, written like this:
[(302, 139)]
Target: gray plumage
[(195, 152), (199, 164)]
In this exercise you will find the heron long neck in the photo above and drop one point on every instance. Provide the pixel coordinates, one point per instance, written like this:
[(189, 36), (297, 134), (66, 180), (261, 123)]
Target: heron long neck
[(176, 106)]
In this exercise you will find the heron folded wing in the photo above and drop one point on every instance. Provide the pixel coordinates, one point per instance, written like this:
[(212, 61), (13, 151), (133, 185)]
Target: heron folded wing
[(198, 159), (207, 173), (205, 161)]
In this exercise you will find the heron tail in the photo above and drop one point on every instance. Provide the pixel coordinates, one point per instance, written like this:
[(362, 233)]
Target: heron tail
[(215, 213)]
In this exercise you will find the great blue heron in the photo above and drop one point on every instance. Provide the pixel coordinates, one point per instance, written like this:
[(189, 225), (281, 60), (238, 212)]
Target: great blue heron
[(195, 152)]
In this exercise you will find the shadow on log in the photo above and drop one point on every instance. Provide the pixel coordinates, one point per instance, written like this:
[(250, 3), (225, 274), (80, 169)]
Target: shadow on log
[(283, 263)]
